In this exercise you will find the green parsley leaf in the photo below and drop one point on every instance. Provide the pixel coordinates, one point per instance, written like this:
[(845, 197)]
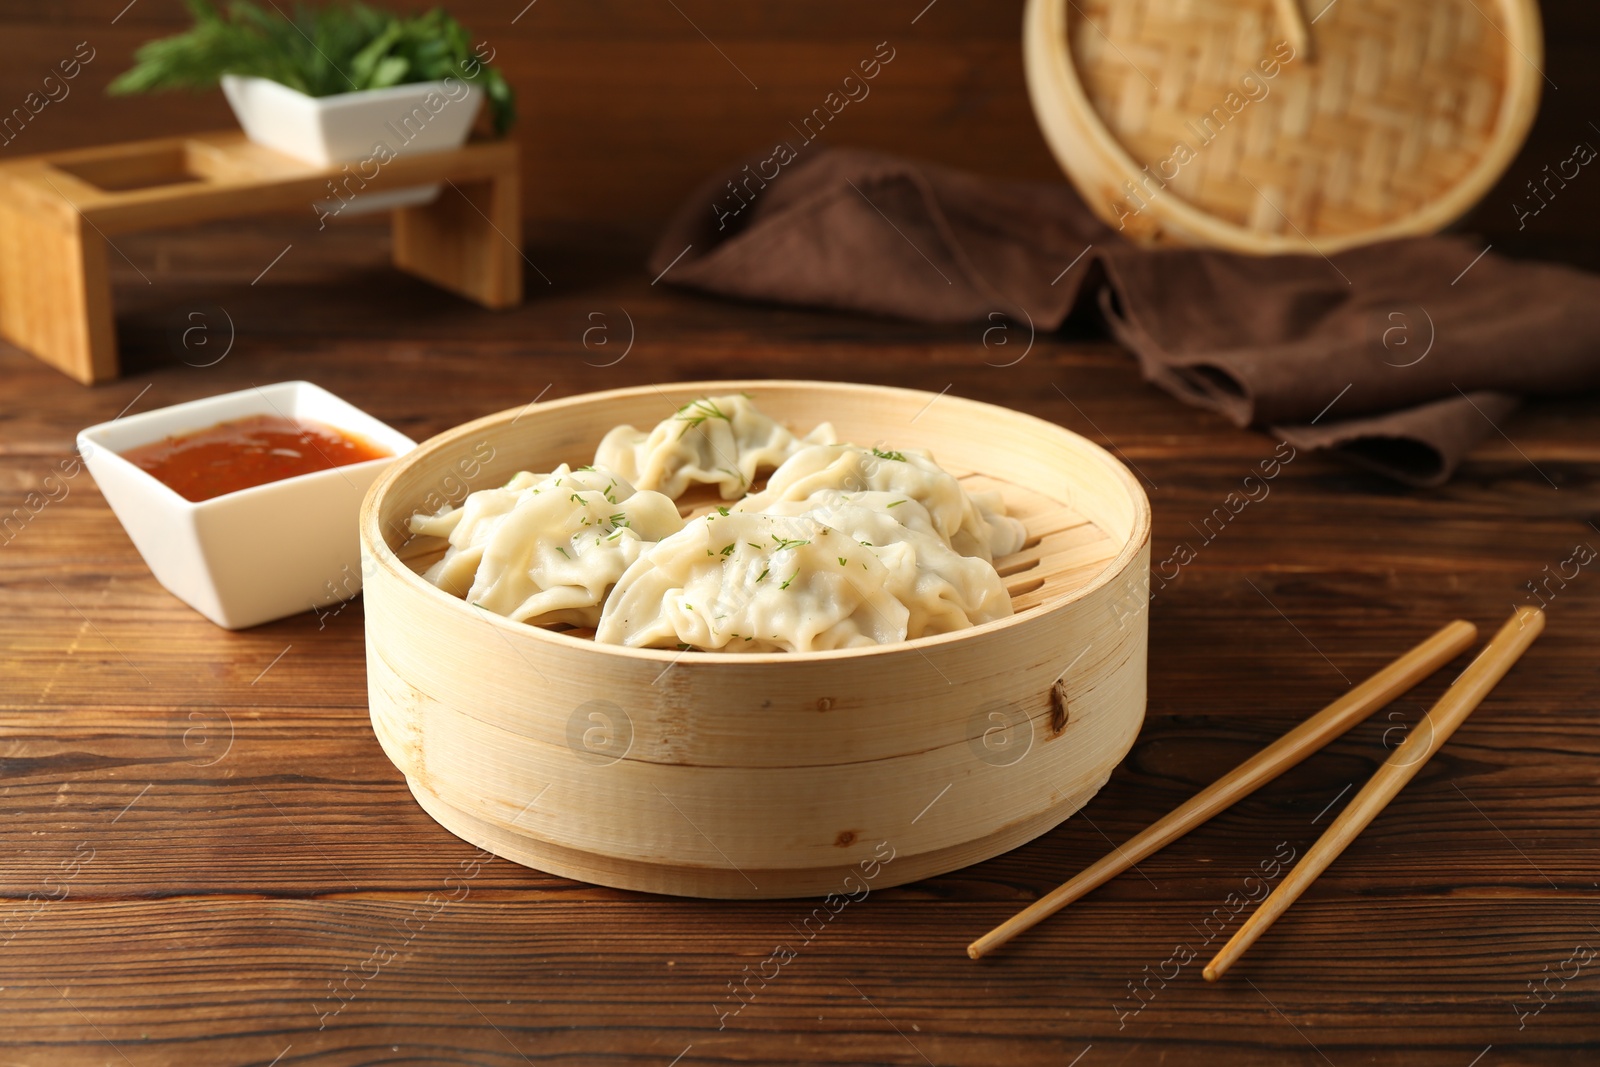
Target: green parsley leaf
[(698, 411)]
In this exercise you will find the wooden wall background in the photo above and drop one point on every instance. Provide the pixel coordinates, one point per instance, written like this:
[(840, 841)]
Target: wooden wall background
[(614, 90)]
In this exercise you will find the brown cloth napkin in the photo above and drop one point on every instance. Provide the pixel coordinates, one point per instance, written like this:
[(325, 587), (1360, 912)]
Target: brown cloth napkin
[(1400, 356)]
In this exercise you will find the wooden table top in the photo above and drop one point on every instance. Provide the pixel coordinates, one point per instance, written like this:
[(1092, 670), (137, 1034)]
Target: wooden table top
[(209, 860)]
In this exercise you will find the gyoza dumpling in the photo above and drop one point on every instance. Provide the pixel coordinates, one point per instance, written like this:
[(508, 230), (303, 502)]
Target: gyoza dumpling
[(839, 577), (898, 506), (721, 440), (974, 524), (485, 503), (942, 590), (546, 548)]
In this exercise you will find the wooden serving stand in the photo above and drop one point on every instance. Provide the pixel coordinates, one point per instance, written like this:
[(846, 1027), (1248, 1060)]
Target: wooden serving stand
[(58, 211)]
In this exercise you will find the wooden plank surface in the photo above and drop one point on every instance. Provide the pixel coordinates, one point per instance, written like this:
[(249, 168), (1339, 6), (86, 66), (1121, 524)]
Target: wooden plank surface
[(209, 860)]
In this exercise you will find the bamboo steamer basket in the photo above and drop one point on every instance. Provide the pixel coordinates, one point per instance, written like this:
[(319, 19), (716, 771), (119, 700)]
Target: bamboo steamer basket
[(766, 775), (1391, 119)]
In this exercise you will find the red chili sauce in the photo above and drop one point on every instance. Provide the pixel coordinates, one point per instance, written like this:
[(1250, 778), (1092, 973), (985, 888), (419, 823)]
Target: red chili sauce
[(248, 452)]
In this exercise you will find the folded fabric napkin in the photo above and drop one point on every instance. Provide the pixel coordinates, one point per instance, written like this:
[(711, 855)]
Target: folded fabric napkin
[(1400, 355)]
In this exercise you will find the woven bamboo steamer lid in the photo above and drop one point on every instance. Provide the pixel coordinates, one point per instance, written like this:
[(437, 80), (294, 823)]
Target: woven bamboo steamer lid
[(1390, 118)]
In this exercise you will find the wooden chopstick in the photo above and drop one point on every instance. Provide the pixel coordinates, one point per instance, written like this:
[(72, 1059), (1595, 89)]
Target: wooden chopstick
[(1402, 765), (1249, 776)]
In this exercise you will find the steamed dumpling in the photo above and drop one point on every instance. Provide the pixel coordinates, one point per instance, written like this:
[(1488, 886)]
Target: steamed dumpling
[(899, 506), (724, 441), (974, 524), (837, 577), (546, 548)]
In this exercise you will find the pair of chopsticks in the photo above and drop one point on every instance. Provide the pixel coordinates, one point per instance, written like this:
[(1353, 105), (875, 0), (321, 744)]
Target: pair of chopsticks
[(1451, 710)]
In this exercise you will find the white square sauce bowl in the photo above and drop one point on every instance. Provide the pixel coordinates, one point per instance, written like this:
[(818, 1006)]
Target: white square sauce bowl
[(256, 554)]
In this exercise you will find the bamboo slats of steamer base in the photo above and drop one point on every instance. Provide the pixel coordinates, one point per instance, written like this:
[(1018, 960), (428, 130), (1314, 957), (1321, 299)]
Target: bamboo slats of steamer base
[(1393, 119), (767, 775)]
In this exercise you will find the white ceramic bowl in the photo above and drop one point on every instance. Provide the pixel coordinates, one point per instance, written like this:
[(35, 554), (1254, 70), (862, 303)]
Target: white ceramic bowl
[(257, 554), (348, 127)]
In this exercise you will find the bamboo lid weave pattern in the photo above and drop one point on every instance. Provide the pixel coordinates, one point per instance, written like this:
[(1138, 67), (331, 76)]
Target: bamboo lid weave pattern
[(1254, 126)]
